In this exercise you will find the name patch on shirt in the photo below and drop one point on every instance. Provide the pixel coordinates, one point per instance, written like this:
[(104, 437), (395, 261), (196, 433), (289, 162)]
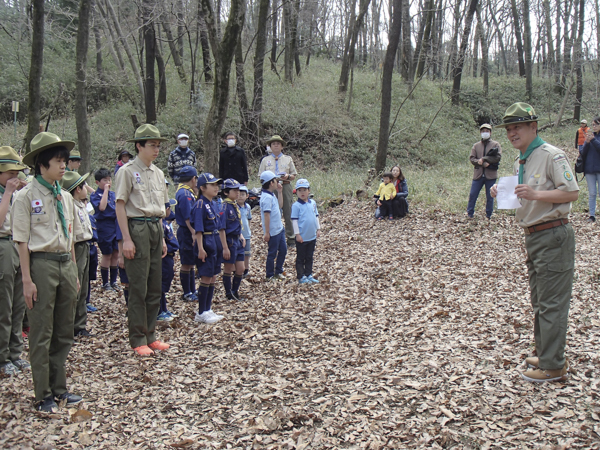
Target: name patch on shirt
[(36, 207)]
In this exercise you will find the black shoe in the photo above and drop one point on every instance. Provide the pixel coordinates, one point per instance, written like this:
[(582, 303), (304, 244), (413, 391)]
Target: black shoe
[(47, 405), (83, 333), (108, 288), (291, 244), (245, 273), (238, 297), (592, 219), (72, 399), (115, 287), (230, 297)]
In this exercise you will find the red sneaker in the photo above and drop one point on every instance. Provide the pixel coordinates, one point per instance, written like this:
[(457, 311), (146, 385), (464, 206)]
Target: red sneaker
[(157, 345), (143, 350), (25, 332)]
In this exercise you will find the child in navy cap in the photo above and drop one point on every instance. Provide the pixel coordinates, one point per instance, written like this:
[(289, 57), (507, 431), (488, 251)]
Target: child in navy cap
[(305, 220), (246, 212), (186, 197), (233, 251), (210, 236), (274, 233), (168, 263)]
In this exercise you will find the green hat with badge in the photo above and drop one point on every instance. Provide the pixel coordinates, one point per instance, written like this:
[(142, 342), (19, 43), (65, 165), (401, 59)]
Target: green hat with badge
[(518, 113), (10, 160), (276, 138), (147, 132), (74, 154), (71, 180), (44, 141)]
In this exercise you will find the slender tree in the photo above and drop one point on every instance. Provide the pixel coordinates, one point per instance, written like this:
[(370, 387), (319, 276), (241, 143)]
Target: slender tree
[(348, 59), (458, 68), (528, 55), (150, 53), (81, 51), (579, 62), (517, 27), (35, 70)]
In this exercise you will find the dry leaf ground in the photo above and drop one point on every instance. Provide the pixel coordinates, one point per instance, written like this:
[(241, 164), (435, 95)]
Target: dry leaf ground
[(414, 339)]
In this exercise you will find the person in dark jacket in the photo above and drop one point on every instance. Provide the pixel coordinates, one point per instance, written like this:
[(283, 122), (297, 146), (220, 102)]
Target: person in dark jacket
[(180, 157), (591, 166), (232, 160)]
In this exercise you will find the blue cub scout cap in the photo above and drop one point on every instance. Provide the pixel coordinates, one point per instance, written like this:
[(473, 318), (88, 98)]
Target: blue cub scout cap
[(207, 178), (267, 176), (243, 188), (230, 183), (302, 183), (188, 172)]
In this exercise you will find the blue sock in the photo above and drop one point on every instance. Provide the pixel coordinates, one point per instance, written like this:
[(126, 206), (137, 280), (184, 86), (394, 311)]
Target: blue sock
[(227, 283), (237, 280), (104, 273), (209, 297), (163, 303), (202, 296), (126, 295), (87, 300), (184, 278), (192, 281), (113, 274)]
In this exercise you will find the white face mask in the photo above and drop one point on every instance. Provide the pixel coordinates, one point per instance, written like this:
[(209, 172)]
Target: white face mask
[(268, 149), (485, 135), (230, 142), (183, 142)]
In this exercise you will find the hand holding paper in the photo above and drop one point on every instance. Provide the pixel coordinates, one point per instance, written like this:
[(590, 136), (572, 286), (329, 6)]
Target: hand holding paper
[(507, 199)]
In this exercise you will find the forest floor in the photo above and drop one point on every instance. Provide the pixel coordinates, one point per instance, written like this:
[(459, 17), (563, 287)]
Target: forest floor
[(415, 338)]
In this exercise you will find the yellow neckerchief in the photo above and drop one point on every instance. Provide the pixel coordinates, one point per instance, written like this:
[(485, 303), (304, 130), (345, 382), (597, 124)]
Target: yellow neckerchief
[(185, 186), (237, 209)]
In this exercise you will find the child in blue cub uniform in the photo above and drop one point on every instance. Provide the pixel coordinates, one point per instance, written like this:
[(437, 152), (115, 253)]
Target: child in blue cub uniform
[(246, 212), (305, 220), (104, 203), (274, 234), (186, 197), (233, 250), (168, 262), (93, 261), (210, 236)]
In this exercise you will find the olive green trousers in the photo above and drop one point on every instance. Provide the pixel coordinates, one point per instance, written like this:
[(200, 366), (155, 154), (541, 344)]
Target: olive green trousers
[(12, 303), (82, 256)]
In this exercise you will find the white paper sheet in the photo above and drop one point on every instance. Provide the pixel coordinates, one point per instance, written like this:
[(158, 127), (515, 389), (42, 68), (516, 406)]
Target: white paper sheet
[(506, 198)]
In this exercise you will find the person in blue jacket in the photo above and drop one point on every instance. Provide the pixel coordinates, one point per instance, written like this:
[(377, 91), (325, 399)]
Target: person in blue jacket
[(591, 167)]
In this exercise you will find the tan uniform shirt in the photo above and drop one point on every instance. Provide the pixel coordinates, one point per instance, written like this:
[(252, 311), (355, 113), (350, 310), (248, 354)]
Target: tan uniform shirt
[(546, 169), (35, 220), (279, 166), (5, 227), (142, 189), (83, 217)]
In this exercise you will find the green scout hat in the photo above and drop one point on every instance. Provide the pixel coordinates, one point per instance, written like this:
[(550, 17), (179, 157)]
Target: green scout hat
[(276, 138), (147, 132), (43, 141), (71, 180), (10, 160), (74, 154), (518, 113)]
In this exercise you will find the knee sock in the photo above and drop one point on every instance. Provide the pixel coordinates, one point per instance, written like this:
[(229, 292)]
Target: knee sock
[(209, 297), (227, 283), (104, 273), (202, 295), (126, 295), (113, 274), (163, 303), (184, 278), (192, 281), (87, 300), (237, 280)]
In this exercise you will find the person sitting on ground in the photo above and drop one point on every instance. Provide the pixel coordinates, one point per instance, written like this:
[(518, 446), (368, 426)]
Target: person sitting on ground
[(384, 195), (399, 204)]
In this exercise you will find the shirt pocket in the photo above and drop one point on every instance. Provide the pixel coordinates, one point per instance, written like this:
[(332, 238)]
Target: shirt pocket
[(41, 218), (536, 180)]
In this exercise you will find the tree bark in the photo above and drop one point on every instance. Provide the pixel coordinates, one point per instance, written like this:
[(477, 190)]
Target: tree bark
[(528, 55), (99, 62), (407, 66), (386, 85), (484, 55), (150, 54), (454, 43), (174, 52), (579, 62), (240, 88), (35, 71), (223, 52), (162, 79), (348, 59), (205, 45), (425, 44), (550, 43), (81, 49), (517, 26), (275, 9), (457, 71)]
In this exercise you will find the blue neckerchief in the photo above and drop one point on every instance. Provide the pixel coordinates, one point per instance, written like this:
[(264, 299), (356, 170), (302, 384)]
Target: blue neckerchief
[(302, 202), (267, 192)]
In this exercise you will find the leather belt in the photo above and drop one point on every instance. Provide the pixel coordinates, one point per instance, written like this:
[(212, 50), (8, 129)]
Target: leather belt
[(546, 226), (61, 257), (8, 238), (146, 219)]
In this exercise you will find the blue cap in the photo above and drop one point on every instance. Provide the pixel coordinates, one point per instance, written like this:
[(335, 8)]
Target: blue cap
[(207, 178), (267, 176), (230, 183), (302, 183), (243, 188), (187, 172)]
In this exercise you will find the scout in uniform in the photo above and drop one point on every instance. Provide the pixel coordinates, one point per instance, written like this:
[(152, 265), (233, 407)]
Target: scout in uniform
[(168, 262), (210, 236), (283, 167), (274, 234), (546, 189), (74, 161), (246, 212), (233, 251), (43, 225), (12, 303), (75, 184), (305, 220)]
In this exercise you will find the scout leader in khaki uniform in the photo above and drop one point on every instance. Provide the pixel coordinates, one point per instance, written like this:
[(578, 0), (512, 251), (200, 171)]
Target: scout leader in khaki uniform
[(141, 196), (546, 189), (12, 303), (75, 185), (43, 225), (283, 167)]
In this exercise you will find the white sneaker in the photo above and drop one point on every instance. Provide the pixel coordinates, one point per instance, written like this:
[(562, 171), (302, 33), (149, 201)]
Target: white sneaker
[(215, 315), (205, 317)]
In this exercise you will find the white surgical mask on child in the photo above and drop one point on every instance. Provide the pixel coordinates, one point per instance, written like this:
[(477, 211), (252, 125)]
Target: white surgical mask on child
[(268, 150), (183, 143), (230, 142), (485, 135)]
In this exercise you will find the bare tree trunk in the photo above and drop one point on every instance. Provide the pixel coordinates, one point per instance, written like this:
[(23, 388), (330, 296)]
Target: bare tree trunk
[(174, 52), (223, 52), (35, 71), (558, 87), (348, 59), (597, 11), (407, 66), (484, 54), (500, 41), (103, 95), (181, 28), (274, 36), (288, 59), (528, 55), (579, 62), (110, 36), (386, 85), (454, 43), (426, 42), (517, 25), (569, 39), (162, 79), (81, 50), (150, 50), (457, 71), (548, 23), (240, 88), (204, 44)]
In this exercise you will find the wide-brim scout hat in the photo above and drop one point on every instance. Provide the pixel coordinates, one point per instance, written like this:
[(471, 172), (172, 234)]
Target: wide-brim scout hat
[(147, 132), (207, 178), (44, 141), (10, 160), (276, 138), (71, 180), (518, 113), (74, 154)]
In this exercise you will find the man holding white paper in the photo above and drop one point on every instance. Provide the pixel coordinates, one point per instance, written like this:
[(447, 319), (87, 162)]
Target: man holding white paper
[(546, 187)]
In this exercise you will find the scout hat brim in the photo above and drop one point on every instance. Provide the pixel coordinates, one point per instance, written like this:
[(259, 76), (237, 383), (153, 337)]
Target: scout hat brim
[(70, 184), (9, 160), (147, 132), (276, 138), (44, 141), (518, 113)]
